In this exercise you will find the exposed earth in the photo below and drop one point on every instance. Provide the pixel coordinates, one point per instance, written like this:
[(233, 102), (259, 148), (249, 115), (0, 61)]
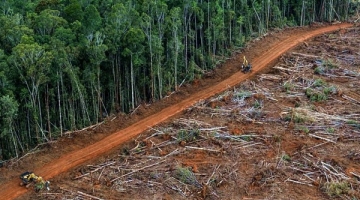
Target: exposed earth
[(289, 131)]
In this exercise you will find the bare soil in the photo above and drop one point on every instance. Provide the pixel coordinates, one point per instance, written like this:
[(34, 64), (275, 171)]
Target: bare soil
[(288, 132)]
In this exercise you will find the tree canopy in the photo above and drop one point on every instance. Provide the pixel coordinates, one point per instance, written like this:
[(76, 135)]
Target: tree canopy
[(66, 64)]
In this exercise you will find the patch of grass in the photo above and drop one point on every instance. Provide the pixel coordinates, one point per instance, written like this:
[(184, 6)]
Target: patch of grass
[(314, 95), (243, 94), (246, 138), (288, 118), (288, 86), (330, 90), (257, 104), (298, 116), (188, 136), (330, 64), (319, 83), (324, 66), (336, 189), (319, 70), (303, 129), (354, 123), (330, 130), (286, 157), (185, 175)]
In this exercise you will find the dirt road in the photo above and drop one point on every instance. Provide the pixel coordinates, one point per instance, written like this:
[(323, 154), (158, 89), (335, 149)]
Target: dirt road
[(12, 190)]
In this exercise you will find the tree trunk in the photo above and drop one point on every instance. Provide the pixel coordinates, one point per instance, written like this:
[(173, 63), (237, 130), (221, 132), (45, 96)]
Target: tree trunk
[(59, 104), (48, 111)]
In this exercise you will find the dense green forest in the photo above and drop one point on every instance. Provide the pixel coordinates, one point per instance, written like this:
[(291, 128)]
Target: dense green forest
[(67, 64)]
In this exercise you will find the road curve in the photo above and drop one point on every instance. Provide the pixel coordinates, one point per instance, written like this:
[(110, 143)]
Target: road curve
[(12, 190)]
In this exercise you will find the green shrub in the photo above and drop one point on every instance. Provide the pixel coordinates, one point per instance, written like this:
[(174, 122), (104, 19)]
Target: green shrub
[(330, 90), (185, 175), (330, 130), (315, 95), (187, 136), (335, 189), (257, 104), (319, 70), (299, 118), (325, 66), (286, 157), (288, 86), (353, 123), (319, 83), (303, 129), (330, 64), (243, 94)]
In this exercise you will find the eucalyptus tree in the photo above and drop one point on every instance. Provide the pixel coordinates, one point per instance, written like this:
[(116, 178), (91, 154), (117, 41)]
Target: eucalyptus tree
[(230, 20), (74, 59), (22, 7), (32, 62), (63, 45), (95, 49), (46, 23), (48, 4), (195, 41), (147, 26), (154, 26), (91, 21), (135, 48), (6, 7), (11, 31), (10, 142), (175, 46), (73, 11), (117, 23), (257, 7), (159, 12), (218, 27)]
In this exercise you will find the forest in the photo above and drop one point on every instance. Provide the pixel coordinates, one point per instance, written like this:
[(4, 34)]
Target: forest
[(68, 64)]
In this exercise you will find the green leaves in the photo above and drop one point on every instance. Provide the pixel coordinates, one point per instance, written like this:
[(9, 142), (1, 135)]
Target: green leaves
[(8, 107), (32, 61), (91, 21), (47, 21), (95, 48), (11, 31), (82, 58), (9, 110), (73, 12)]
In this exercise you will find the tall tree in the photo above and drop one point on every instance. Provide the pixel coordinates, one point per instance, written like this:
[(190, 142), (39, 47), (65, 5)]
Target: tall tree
[(174, 24), (118, 23), (47, 21), (134, 50), (96, 52), (73, 11), (91, 21), (8, 135), (32, 62), (12, 29)]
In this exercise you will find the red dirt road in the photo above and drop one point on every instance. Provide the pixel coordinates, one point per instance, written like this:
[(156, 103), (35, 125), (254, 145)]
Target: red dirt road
[(12, 190)]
